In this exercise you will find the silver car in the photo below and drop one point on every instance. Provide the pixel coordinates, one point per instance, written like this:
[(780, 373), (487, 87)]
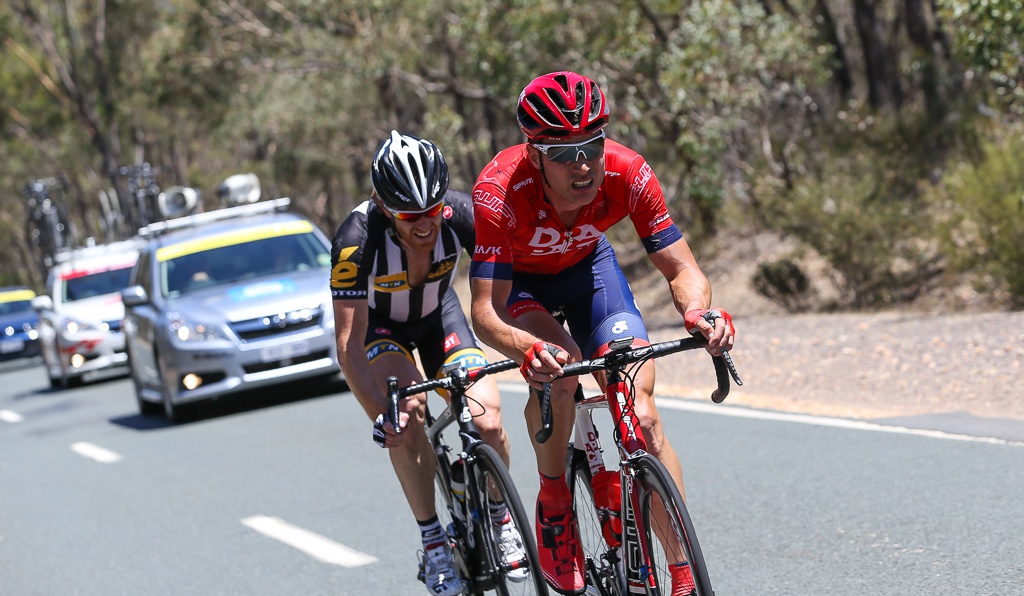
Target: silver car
[(226, 301), (80, 313)]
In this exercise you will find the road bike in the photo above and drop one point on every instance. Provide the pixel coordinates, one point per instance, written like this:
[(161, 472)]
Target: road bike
[(468, 480), (656, 530)]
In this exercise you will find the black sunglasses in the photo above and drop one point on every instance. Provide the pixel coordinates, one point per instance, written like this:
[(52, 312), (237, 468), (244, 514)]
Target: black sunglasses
[(570, 152)]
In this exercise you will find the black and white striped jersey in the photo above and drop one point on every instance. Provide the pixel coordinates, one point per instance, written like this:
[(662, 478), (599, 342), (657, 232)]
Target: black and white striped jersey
[(368, 262)]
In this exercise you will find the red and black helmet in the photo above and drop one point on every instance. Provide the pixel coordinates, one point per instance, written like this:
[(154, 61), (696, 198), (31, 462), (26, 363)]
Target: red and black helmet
[(561, 104)]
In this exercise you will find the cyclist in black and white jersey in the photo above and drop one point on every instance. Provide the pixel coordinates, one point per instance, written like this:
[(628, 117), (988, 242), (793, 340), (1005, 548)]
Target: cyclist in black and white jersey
[(394, 259)]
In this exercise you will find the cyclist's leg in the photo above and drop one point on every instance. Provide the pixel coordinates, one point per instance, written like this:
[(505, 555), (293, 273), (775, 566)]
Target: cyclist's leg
[(413, 460), (613, 314), (461, 345)]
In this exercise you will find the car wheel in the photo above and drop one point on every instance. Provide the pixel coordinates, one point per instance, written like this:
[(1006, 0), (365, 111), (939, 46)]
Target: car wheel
[(146, 408)]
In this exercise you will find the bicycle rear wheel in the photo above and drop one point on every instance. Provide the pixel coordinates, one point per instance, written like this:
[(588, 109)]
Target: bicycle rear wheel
[(667, 526), (604, 568), (491, 474)]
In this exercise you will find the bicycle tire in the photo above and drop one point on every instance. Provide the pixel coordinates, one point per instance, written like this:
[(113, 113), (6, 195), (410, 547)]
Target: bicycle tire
[(603, 563), (659, 496), (490, 468)]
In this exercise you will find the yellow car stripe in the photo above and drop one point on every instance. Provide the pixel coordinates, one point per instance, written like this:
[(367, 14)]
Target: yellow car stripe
[(17, 295), (231, 238)]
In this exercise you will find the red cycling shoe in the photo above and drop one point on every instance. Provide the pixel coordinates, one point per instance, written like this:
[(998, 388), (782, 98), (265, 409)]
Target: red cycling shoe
[(561, 555)]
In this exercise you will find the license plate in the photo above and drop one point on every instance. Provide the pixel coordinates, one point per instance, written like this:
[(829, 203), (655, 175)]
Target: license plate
[(15, 345), (282, 352)]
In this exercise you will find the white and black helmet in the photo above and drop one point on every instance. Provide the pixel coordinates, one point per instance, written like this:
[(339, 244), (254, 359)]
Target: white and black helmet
[(409, 174)]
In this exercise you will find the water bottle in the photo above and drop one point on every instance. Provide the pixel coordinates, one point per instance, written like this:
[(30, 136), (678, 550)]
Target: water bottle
[(606, 485)]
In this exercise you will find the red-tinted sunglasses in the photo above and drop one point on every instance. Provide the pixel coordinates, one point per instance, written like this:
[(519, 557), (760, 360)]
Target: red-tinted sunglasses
[(413, 217)]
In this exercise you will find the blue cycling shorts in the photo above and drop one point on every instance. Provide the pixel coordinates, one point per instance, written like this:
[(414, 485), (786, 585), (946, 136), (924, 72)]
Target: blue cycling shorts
[(593, 296)]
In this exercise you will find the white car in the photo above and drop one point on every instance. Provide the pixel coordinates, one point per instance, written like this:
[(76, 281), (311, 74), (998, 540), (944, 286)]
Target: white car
[(225, 301), (80, 314)]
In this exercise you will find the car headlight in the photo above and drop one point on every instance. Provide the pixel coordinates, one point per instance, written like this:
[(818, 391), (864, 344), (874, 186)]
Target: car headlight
[(73, 326), (187, 330)]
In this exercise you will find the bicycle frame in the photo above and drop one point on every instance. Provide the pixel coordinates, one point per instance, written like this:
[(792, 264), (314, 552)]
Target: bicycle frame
[(478, 557), (630, 442)]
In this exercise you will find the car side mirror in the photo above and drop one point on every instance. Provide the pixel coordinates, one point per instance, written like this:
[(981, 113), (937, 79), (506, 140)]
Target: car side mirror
[(43, 302), (134, 296)]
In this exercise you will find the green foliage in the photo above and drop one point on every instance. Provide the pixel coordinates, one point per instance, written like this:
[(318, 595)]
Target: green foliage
[(861, 211), (987, 40), (983, 203)]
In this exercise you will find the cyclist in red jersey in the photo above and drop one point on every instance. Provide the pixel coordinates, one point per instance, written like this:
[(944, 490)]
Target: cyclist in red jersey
[(541, 209)]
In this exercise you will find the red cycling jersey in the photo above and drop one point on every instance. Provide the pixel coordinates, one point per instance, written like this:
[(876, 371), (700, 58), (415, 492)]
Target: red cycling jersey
[(517, 231)]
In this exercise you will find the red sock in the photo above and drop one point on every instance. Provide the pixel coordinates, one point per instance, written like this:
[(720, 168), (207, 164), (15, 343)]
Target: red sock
[(682, 579), (554, 495)]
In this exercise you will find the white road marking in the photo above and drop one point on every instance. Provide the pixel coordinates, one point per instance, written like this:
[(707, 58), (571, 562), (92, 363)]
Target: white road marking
[(677, 404), (314, 545), (104, 456), (709, 408), (9, 416)]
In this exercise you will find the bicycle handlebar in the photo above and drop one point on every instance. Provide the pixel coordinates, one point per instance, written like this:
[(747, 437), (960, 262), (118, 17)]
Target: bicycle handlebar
[(455, 379), (619, 357)]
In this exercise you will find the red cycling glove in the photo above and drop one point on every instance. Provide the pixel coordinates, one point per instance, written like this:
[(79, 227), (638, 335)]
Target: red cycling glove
[(692, 317), (532, 353)]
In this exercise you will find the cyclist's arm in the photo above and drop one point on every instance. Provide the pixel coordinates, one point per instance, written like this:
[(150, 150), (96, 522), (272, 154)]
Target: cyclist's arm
[(492, 322), (350, 320), (690, 290)]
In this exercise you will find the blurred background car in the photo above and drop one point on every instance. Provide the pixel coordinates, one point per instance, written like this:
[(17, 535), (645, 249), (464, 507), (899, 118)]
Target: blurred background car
[(80, 314), (19, 324), (228, 300)]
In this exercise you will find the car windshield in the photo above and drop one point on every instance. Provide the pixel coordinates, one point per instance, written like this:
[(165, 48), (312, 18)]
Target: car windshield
[(82, 286), (15, 307), (241, 262)]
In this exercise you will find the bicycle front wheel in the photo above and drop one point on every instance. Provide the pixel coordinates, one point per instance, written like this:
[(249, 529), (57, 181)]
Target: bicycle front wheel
[(667, 528), (603, 563), (511, 574)]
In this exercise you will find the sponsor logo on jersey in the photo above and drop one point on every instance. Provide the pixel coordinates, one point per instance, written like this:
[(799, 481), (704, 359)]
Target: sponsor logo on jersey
[(549, 241), (639, 183), (343, 275), (451, 341), (382, 331), (448, 212), (348, 293), (391, 283), (658, 220), (490, 202), (487, 250), (442, 269), (522, 184)]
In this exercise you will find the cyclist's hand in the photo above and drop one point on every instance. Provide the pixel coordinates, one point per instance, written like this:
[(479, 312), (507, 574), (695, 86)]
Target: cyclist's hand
[(543, 363), (384, 433), (714, 324)]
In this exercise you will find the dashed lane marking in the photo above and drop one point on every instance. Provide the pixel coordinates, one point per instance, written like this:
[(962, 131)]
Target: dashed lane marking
[(104, 456), (9, 416), (314, 545)]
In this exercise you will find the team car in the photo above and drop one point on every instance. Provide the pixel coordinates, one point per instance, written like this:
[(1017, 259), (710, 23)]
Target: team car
[(19, 324), (80, 314), (226, 301)]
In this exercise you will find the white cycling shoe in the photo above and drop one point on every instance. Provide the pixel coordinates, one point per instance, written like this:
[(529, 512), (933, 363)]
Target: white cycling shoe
[(510, 543), (439, 573)]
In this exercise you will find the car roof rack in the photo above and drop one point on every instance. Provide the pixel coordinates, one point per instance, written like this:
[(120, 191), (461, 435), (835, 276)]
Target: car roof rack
[(216, 215)]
